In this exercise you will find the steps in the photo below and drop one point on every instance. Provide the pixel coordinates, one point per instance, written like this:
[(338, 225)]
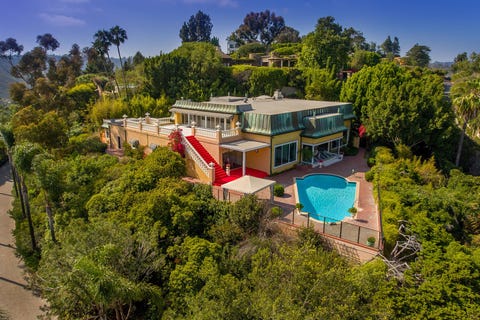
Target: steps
[(220, 174)]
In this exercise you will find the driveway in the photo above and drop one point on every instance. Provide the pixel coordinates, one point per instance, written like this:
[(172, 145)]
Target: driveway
[(15, 300)]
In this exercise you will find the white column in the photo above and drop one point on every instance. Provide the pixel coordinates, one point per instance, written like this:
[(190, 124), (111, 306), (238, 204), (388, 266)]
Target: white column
[(313, 157), (244, 165)]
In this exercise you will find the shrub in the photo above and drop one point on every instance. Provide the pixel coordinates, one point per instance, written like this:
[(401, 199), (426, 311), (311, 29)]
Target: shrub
[(85, 143), (278, 190), (369, 175), (276, 212)]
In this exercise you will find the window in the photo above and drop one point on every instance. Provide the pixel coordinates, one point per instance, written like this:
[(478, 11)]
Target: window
[(285, 153)]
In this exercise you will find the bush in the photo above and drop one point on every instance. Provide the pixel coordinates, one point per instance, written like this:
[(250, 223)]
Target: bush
[(371, 161), (276, 212), (350, 151), (85, 143), (278, 190), (369, 175)]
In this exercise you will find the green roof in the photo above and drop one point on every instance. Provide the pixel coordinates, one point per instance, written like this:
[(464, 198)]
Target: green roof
[(325, 125), (212, 107), (267, 116), (279, 123)]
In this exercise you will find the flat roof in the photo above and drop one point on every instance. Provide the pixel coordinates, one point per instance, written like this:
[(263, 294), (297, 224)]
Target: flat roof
[(268, 105), (271, 106), (244, 145)]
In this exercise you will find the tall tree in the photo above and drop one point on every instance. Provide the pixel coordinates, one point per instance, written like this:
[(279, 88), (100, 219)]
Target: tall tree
[(262, 26), (197, 29), (329, 45), (31, 66), (397, 105), (48, 42), (387, 46), (288, 35), (8, 49), (118, 36), (102, 43), (418, 55), (466, 103)]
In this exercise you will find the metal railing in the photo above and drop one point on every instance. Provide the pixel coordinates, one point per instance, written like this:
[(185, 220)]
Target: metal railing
[(349, 231)]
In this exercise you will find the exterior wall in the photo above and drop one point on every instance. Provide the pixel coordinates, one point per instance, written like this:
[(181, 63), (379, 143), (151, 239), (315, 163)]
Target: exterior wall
[(259, 159), (144, 138), (177, 118), (322, 139), (115, 133), (256, 137), (281, 139), (211, 146), (195, 172)]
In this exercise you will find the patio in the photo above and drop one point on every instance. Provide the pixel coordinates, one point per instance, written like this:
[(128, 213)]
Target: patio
[(351, 235)]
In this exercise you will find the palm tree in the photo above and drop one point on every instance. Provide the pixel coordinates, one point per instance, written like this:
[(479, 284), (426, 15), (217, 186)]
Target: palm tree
[(467, 108), (118, 36), (102, 42)]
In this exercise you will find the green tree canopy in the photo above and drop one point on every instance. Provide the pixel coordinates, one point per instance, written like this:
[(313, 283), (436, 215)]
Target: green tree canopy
[(399, 106), (261, 27), (418, 55), (197, 29), (327, 46)]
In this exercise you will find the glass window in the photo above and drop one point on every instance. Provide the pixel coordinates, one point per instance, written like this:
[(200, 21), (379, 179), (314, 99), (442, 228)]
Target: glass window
[(285, 153)]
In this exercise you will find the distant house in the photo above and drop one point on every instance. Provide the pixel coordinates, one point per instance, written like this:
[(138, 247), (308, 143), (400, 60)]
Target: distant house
[(257, 136), (232, 46)]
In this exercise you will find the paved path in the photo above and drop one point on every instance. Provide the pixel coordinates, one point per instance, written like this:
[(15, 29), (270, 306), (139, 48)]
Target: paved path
[(18, 302)]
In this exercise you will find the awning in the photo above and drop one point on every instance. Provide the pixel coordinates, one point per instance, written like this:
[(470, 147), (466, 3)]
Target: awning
[(202, 113), (244, 145), (248, 184)]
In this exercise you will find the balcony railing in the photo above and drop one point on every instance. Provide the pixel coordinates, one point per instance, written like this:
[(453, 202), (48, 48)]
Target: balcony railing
[(229, 133), (203, 132), (164, 126)]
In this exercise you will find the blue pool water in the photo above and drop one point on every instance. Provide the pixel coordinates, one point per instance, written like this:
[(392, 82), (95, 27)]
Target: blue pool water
[(326, 195)]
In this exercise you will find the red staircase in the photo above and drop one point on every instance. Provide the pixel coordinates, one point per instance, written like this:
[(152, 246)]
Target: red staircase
[(220, 174)]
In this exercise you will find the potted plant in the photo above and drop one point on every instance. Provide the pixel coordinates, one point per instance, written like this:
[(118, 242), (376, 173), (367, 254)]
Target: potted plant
[(371, 241), (352, 211), (299, 207)]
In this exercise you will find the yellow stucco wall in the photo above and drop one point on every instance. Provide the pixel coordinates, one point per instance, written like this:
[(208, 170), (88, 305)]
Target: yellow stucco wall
[(322, 139), (256, 137), (259, 159), (281, 139), (194, 171), (115, 132)]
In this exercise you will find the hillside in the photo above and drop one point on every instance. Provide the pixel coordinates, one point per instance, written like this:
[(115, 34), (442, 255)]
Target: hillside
[(5, 79)]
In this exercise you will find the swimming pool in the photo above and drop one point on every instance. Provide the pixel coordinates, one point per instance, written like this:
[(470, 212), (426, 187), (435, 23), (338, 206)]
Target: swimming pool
[(326, 196)]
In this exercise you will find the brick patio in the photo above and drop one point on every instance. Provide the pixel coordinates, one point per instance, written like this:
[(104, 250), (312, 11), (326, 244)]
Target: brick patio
[(355, 231)]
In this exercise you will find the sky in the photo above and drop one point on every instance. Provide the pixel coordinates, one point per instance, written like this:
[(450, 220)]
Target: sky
[(446, 27)]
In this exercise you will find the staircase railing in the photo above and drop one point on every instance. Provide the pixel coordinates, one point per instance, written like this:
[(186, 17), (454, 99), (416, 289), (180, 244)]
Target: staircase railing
[(198, 159)]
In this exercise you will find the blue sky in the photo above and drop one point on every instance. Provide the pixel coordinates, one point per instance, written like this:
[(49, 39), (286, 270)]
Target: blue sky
[(447, 27)]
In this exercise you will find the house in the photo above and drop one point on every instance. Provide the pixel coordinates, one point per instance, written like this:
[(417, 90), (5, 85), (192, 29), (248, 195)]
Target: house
[(228, 137), (232, 46)]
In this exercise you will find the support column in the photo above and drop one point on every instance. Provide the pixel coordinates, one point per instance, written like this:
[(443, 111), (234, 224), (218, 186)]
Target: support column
[(244, 165), (313, 155)]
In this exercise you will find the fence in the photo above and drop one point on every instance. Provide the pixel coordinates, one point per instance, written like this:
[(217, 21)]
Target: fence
[(350, 231)]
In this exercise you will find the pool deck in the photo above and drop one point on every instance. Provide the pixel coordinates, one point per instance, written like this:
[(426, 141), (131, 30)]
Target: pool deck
[(353, 168)]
